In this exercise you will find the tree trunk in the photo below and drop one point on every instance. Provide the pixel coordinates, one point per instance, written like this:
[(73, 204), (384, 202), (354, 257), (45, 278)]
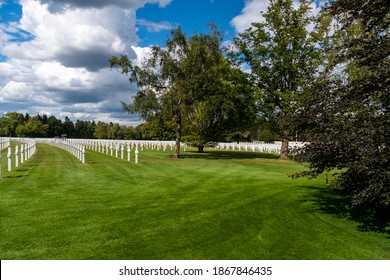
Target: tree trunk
[(200, 148), (284, 150), (176, 153)]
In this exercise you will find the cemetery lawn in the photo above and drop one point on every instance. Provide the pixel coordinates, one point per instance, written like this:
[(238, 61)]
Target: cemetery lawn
[(217, 205)]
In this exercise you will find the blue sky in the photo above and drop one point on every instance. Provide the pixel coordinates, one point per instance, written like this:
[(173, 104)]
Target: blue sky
[(10, 11), (154, 22), (193, 16), (54, 53)]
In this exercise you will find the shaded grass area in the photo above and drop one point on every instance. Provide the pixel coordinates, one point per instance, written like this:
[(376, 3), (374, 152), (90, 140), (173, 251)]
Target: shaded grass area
[(217, 205), (222, 154)]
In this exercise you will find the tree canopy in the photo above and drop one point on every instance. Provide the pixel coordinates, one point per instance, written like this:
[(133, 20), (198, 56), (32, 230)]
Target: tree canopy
[(284, 56), (191, 86)]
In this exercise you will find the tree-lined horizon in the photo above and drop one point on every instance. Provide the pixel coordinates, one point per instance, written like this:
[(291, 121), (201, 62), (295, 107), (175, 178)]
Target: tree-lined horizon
[(14, 124)]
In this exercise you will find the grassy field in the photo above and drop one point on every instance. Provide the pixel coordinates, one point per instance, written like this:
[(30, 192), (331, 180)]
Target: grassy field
[(218, 205)]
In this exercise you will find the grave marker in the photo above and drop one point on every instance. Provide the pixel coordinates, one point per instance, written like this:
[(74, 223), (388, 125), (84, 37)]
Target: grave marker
[(22, 153), (16, 156), (9, 159), (25, 152), (136, 154)]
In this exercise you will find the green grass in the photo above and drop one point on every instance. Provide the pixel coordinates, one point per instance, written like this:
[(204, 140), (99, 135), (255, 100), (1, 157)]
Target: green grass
[(218, 205)]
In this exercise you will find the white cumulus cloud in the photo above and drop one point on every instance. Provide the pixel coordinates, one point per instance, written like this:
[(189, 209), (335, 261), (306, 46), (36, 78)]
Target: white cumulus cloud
[(250, 13), (56, 57), (253, 9)]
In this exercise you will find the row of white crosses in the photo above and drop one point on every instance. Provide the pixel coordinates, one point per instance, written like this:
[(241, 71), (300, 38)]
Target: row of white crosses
[(261, 147), (4, 143), (118, 148), (22, 153), (76, 149), (108, 147)]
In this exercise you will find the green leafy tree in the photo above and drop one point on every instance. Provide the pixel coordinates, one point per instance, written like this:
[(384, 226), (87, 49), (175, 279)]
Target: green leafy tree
[(157, 129), (4, 127), (347, 112), (101, 130), (126, 132), (34, 127), (161, 80), (113, 130), (284, 57), (9, 122), (190, 86), (224, 96), (182, 84)]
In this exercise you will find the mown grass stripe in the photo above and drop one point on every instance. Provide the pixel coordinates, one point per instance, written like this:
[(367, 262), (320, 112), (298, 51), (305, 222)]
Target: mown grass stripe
[(219, 205)]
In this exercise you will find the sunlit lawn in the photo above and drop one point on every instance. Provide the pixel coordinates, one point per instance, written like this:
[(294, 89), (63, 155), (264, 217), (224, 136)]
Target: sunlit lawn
[(217, 205)]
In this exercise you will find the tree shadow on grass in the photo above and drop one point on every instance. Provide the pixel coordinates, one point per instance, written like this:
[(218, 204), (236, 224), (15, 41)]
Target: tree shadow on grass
[(15, 174), (329, 201), (19, 172), (326, 201), (215, 155)]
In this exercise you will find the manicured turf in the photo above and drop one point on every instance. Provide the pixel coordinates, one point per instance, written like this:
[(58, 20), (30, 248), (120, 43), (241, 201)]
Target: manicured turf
[(219, 205)]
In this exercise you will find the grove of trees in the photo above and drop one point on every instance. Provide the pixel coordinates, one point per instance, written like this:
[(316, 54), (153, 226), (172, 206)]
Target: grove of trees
[(326, 76)]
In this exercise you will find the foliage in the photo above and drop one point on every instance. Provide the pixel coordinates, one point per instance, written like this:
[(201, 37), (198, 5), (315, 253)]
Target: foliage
[(283, 56), (16, 125), (191, 86), (9, 122), (225, 98), (346, 113), (32, 128), (160, 79), (55, 127), (155, 129), (266, 136), (84, 129)]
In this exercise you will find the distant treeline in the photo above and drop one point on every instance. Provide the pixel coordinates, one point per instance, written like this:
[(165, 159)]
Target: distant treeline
[(15, 124)]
